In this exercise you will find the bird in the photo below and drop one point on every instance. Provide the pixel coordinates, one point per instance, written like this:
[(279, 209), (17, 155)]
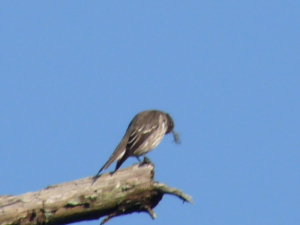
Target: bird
[(144, 133)]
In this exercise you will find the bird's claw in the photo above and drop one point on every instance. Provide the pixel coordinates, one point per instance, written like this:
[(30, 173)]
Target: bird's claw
[(146, 161)]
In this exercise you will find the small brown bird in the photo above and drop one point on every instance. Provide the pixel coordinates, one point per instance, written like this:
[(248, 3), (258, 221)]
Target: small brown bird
[(144, 133)]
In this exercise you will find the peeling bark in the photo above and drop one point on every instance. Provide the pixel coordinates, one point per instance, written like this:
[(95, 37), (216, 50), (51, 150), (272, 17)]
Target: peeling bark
[(126, 191)]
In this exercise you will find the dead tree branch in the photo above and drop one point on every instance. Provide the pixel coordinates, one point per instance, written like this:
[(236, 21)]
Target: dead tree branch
[(129, 190)]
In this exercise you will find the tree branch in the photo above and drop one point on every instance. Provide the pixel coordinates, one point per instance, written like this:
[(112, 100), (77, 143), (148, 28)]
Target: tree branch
[(128, 190)]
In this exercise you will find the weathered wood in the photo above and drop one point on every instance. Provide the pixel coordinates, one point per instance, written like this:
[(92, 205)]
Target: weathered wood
[(128, 190)]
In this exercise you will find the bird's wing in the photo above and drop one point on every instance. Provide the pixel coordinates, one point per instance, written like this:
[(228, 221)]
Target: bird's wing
[(136, 139), (139, 134), (139, 129)]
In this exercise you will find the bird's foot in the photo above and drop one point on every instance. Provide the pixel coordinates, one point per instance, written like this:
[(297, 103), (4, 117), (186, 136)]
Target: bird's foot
[(138, 158), (146, 161)]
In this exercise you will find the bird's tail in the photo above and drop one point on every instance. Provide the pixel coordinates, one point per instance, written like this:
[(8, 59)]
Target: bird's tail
[(111, 159), (117, 155), (106, 165)]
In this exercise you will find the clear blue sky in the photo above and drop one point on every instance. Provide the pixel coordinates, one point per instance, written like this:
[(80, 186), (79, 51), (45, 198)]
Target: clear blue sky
[(74, 73)]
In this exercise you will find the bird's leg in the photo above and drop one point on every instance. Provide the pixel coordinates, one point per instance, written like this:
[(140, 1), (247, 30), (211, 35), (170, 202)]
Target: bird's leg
[(146, 161), (138, 158)]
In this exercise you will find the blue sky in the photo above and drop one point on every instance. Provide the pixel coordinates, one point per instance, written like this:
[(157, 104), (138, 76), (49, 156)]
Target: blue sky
[(74, 73)]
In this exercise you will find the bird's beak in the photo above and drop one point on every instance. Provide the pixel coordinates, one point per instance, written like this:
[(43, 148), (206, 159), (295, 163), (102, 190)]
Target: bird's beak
[(176, 137)]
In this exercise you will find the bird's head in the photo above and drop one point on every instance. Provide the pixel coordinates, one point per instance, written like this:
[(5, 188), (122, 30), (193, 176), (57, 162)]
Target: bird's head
[(170, 123)]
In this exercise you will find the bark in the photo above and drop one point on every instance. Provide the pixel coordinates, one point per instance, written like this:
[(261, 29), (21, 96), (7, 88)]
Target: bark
[(126, 191)]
